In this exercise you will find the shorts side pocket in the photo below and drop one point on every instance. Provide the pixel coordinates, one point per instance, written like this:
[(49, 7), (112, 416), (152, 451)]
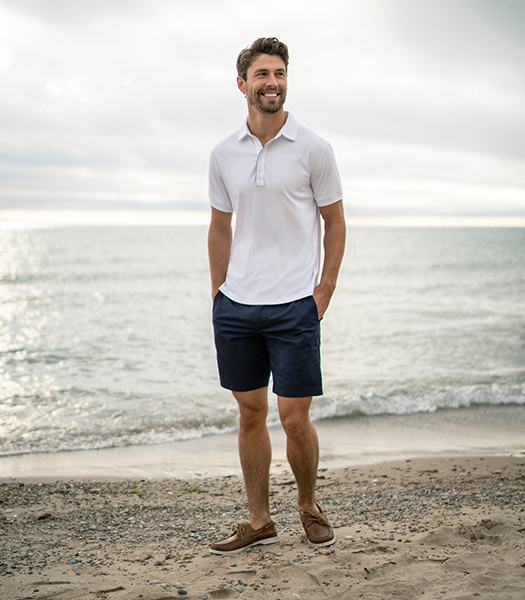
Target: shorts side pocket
[(315, 309), (216, 301)]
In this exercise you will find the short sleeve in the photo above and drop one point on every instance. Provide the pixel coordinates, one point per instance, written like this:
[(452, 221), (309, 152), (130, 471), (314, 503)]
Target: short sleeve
[(217, 191), (325, 179)]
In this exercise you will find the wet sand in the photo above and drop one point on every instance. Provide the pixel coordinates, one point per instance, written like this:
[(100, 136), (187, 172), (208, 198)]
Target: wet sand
[(485, 430)]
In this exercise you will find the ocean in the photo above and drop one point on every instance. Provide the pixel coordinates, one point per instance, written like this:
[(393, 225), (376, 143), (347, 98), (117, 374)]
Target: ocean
[(106, 338)]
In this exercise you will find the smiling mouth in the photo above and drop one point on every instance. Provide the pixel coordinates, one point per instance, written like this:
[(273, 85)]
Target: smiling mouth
[(270, 95)]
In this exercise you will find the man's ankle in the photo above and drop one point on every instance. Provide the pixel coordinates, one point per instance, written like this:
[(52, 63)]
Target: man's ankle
[(258, 522), (308, 506)]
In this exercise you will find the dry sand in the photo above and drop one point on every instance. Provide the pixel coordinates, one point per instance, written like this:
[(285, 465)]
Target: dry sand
[(446, 528)]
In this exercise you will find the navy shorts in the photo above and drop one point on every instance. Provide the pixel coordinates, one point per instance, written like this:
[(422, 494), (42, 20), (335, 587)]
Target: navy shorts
[(253, 341)]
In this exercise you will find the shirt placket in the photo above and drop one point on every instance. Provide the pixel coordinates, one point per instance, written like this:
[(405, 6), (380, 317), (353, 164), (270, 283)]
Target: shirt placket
[(261, 157), (259, 170)]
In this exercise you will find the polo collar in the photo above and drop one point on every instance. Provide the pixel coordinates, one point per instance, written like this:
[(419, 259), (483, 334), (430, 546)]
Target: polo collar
[(289, 129)]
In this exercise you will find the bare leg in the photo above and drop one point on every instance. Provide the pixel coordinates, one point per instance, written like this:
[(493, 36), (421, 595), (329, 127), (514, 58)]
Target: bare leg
[(255, 453), (302, 447)]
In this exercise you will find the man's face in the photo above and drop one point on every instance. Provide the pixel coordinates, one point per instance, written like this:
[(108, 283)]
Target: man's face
[(266, 84)]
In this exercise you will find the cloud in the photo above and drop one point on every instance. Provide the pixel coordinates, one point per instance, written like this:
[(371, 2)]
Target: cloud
[(122, 100)]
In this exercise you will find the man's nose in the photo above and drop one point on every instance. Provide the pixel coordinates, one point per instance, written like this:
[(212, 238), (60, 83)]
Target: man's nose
[(272, 80)]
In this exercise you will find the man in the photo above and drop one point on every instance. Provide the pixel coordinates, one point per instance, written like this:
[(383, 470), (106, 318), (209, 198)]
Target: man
[(277, 177)]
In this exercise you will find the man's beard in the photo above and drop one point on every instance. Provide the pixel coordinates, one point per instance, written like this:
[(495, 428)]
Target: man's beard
[(267, 107)]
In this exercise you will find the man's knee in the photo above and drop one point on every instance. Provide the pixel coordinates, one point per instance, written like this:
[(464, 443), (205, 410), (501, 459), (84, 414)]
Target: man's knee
[(295, 416), (253, 407)]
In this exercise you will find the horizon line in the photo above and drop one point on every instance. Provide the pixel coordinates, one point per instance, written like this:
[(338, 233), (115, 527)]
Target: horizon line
[(29, 218)]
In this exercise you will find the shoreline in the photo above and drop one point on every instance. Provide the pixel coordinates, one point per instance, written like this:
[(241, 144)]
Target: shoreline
[(482, 430), (450, 527)]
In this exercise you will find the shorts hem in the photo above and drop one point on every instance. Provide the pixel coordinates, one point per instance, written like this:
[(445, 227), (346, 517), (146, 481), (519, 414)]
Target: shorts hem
[(301, 393), (243, 388)]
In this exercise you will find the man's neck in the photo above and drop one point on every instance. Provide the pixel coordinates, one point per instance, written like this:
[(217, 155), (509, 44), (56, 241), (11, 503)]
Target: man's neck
[(265, 127)]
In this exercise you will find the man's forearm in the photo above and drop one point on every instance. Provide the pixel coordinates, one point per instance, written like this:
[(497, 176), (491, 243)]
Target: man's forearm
[(334, 248), (219, 248)]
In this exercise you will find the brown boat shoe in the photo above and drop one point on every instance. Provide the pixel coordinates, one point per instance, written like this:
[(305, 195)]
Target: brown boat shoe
[(245, 536), (317, 528)]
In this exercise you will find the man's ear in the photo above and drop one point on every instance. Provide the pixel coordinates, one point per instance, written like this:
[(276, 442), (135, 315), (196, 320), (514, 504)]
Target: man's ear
[(241, 84)]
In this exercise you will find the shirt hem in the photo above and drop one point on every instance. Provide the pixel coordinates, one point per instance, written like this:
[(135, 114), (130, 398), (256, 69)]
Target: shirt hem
[(264, 302)]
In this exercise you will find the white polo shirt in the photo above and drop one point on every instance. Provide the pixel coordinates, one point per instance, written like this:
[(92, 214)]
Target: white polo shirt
[(275, 192)]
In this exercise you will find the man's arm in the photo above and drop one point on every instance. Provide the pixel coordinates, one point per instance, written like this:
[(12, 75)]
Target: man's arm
[(219, 247), (334, 248)]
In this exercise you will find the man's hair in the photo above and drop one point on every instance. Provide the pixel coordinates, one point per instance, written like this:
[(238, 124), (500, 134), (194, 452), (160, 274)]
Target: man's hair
[(260, 46)]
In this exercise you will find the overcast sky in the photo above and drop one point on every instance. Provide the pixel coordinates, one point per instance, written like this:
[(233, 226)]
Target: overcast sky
[(112, 102)]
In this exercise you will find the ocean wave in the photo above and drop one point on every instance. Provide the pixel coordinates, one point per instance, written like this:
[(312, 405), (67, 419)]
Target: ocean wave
[(116, 440), (116, 428), (414, 398)]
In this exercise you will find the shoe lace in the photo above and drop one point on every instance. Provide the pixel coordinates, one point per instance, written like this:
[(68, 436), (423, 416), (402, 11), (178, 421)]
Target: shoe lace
[(314, 516)]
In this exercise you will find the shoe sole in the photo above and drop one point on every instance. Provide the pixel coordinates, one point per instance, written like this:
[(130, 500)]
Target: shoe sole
[(322, 544), (265, 542)]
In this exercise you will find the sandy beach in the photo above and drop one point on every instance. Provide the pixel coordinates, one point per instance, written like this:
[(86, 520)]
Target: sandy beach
[(433, 527)]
